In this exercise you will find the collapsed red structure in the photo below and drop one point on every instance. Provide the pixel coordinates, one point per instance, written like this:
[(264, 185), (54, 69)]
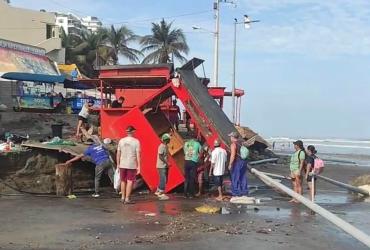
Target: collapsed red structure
[(148, 90)]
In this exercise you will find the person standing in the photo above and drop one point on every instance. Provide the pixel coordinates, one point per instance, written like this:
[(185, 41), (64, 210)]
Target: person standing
[(74, 74), (99, 155), (296, 167), (192, 151), (310, 165), (202, 168), (237, 167), (218, 163), (118, 103), (175, 114), (128, 161), (83, 116), (162, 164)]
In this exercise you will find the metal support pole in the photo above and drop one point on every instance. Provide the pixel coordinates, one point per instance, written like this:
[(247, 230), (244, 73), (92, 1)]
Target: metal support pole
[(216, 7), (263, 161), (345, 226), (101, 96), (344, 185), (234, 62), (239, 109)]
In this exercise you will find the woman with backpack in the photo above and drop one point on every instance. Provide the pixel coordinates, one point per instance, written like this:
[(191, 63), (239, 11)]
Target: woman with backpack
[(297, 161), (314, 165), (310, 163)]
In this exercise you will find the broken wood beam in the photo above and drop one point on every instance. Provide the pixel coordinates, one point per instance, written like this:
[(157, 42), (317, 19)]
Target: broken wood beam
[(63, 179)]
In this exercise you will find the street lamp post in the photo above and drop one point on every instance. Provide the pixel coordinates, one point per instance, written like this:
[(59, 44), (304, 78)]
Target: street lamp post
[(247, 24), (216, 6)]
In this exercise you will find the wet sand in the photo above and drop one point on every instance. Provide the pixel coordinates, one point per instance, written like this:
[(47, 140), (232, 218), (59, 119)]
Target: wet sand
[(29, 222)]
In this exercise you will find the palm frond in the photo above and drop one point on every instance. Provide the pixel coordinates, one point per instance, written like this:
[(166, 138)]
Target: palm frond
[(163, 43)]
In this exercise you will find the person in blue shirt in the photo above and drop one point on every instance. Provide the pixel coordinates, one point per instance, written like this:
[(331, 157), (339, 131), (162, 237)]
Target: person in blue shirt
[(74, 74), (99, 155)]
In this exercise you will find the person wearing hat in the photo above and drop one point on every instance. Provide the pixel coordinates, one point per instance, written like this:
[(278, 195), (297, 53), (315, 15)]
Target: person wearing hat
[(99, 155), (162, 164), (218, 163), (237, 167), (296, 167), (128, 161), (83, 116)]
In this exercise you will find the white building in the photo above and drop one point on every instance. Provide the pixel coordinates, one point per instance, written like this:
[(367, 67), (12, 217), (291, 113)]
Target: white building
[(92, 23), (70, 23)]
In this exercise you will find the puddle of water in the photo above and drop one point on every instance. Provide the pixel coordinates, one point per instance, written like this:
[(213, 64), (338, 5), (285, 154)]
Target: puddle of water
[(332, 199), (238, 209)]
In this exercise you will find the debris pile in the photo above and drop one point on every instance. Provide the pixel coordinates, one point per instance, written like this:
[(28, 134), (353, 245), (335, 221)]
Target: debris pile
[(37, 173)]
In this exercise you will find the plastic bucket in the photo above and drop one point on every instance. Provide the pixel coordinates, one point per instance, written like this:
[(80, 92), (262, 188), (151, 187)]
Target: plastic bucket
[(57, 130)]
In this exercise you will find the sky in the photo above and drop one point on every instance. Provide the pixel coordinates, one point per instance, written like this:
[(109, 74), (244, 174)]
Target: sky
[(305, 67)]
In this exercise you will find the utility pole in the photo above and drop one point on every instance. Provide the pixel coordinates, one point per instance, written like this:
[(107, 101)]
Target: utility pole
[(216, 7), (234, 65), (247, 24)]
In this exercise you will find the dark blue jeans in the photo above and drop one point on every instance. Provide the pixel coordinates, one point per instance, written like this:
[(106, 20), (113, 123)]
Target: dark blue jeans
[(162, 179), (190, 174), (239, 184)]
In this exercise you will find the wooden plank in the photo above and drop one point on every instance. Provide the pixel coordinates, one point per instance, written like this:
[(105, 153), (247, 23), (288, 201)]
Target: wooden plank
[(73, 150)]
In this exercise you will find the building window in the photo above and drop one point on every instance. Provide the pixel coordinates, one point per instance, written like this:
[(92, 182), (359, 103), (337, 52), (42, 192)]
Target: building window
[(49, 31)]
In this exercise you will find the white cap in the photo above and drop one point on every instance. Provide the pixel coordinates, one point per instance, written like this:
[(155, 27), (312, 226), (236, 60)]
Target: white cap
[(107, 141)]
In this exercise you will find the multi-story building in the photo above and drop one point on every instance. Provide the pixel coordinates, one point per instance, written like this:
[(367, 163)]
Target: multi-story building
[(92, 23), (30, 27), (70, 23)]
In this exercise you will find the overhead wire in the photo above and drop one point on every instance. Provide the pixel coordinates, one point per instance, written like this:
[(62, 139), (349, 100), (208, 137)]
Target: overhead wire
[(164, 17)]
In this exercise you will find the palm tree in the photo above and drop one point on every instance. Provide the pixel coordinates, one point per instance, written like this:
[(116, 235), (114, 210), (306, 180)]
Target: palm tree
[(118, 40), (92, 52), (164, 44), (69, 42)]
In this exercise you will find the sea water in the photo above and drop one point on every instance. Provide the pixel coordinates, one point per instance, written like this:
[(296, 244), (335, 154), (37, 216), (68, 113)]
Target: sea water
[(357, 151)]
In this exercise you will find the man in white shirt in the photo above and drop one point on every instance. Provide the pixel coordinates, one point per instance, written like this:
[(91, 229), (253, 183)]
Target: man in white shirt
[(218, 162), (82, 117), (128, 162)]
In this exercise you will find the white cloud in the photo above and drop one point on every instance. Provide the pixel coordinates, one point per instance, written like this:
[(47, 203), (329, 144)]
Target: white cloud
[(308, 27)]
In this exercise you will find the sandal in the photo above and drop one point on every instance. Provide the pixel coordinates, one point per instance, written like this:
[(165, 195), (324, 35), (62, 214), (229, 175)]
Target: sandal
[(129, 202)]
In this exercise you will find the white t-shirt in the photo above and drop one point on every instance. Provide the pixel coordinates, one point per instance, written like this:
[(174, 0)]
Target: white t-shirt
[(84, 111), (218, 159), (129, 147)]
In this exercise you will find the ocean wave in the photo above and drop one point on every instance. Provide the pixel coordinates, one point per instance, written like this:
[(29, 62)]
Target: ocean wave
[(287, 139)]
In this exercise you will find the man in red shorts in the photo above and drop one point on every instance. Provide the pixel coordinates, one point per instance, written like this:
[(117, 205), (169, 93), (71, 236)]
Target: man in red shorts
[(128, 161)]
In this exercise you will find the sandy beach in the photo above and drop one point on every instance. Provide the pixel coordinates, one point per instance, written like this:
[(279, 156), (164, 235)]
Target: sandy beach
[(86, 223)]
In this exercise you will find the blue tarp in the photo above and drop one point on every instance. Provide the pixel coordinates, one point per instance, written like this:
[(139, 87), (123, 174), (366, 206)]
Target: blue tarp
[(30, 77), (68, 84)]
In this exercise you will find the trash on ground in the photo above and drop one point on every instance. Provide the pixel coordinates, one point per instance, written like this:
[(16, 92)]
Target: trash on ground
[(243, 200), (150, 214), (365, 187), (57, 141), (264, 231), (71, 196), (207, 209)]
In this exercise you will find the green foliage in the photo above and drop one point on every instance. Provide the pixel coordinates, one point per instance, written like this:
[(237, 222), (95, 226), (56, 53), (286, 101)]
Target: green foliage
[(164, 44), (90, 50)]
